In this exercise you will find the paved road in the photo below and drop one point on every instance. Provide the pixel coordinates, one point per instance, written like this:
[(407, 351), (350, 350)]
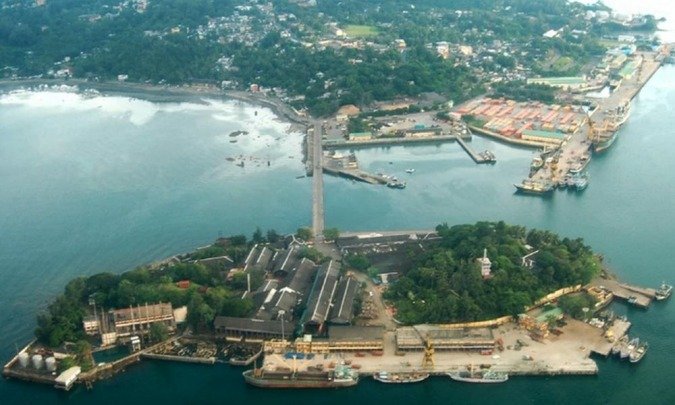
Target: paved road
[(317, 184)]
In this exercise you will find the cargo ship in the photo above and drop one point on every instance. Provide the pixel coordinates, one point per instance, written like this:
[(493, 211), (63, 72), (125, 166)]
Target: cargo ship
[(400, 378), (340, 377), (534, 187), (482, 377), (618, 116)]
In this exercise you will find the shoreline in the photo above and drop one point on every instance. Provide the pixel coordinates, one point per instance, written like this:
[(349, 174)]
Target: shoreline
[(165, 94)]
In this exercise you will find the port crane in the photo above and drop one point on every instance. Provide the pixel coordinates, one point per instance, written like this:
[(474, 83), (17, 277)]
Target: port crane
[(428, 360)]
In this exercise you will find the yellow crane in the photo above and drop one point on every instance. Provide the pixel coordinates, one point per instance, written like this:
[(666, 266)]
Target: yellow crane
[(428, 360)]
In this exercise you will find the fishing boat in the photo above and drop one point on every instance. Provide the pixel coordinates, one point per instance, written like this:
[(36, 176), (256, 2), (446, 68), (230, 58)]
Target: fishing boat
[(664, 291), (400, 378), (638, 353), (627, 349), (479, 376)]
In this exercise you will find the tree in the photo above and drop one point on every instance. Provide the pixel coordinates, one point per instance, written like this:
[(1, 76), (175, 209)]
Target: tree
[(331, 233), (258, 236), (304, 234), (200, 314), (159, 332), (357, 261), (273, 236), (83, 355)]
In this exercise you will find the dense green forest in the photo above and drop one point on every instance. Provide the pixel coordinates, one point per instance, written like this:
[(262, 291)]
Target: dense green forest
[(445, 284)]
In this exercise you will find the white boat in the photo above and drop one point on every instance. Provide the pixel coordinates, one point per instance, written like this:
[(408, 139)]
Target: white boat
[(639, 352), (664, 291), (479, 376), (410, 170)]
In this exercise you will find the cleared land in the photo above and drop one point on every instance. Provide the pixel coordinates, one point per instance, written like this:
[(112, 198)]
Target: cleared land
[(360, 31)]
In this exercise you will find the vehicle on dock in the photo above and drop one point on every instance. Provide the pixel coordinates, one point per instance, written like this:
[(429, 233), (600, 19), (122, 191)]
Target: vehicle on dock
[(479, 376), (663, 292), (638, 353), (341, 377), (534, 187), (400, 378)]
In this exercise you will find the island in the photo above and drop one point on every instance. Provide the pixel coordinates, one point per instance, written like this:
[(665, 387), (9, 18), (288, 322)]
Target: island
[(397, 305)]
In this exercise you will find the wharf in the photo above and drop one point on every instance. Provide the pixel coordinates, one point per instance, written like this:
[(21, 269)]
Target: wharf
[(638, 296), (485, 157), (358, 175), (579, 143), (339, 143), (182, 359), (566, 354), (618, 329)]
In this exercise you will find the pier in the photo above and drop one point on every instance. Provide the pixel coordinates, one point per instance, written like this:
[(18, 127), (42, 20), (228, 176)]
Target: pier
[(638, 296), (479, 158), (316, 152)]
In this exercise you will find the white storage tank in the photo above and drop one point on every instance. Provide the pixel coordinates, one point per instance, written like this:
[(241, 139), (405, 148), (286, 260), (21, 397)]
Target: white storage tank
[(50, 363), (37, 361), (24, 359)]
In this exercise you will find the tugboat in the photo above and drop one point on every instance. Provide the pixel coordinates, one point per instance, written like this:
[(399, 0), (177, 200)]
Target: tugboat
[(400, 378), (664, 291), (483, 377), (639, 352)]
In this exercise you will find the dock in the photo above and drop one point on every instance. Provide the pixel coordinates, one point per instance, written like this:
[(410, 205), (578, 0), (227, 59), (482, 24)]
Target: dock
[(618, 329), (479, 158), (638, 296), (579, 143)]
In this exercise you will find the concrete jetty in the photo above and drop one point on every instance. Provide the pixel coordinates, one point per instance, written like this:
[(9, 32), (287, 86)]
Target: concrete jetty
[(479, 158), (638, 296)]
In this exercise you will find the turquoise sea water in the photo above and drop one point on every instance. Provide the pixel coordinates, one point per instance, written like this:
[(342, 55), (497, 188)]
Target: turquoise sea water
[(85, 188)]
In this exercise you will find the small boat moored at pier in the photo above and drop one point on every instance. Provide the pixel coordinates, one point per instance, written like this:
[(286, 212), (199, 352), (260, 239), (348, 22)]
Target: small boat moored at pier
[(400, 378), (638, 353), (479, 376), (663, 292)]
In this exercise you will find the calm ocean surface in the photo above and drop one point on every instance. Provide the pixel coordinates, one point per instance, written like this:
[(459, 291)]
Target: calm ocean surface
[(107, 183)]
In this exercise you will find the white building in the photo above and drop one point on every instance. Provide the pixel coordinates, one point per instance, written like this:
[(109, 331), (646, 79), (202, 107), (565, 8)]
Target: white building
[(485, 265)]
